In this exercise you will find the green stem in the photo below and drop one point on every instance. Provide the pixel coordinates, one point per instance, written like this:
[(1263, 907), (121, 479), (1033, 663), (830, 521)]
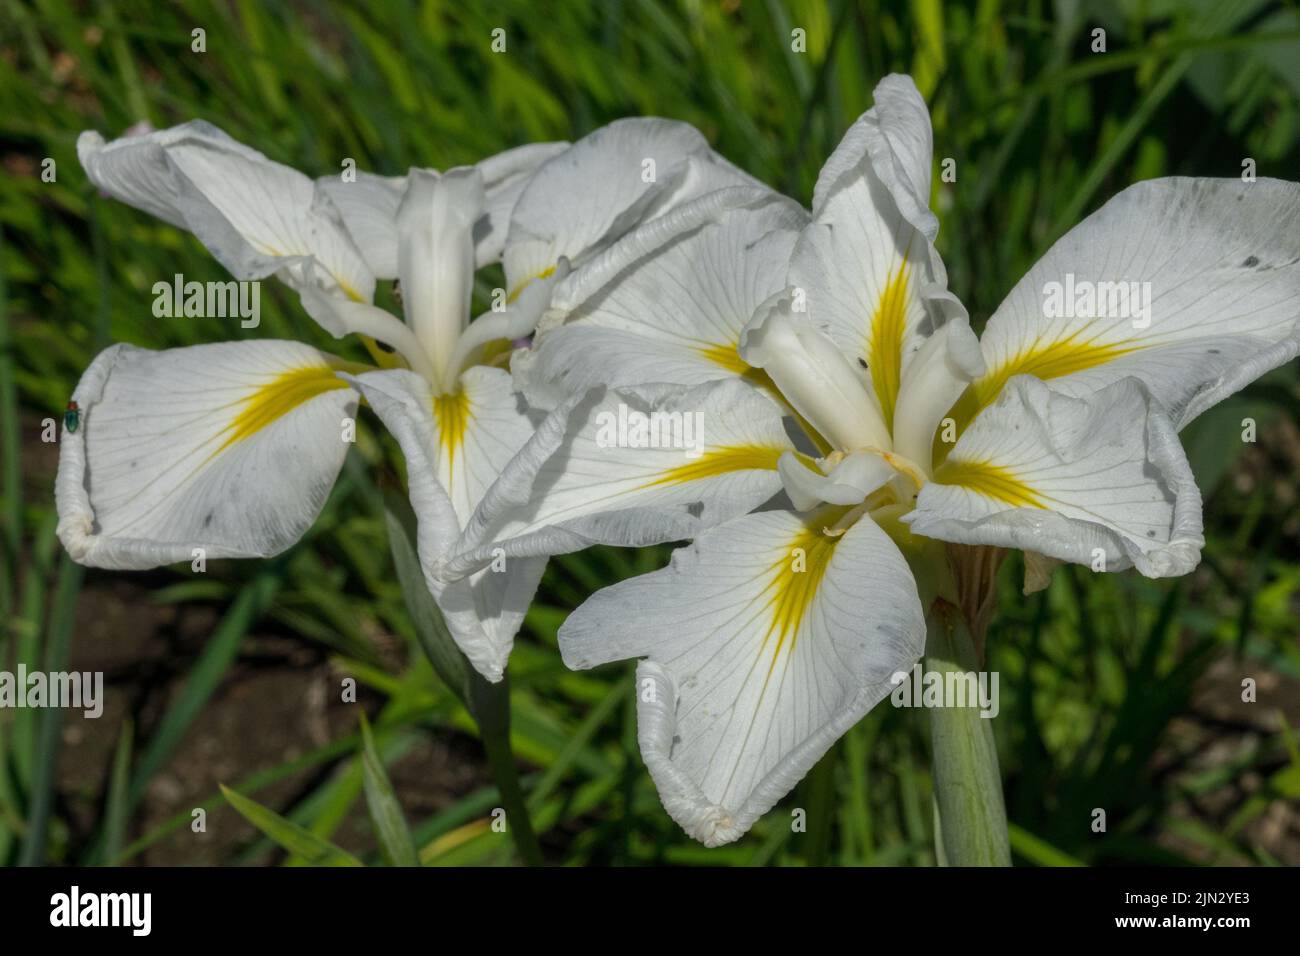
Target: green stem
[(490, 705), (970, 819)]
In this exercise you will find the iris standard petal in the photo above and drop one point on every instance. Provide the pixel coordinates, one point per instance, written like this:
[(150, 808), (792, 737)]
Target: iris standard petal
[(606, 184), (368, 205), (867, 263), (666, 303)]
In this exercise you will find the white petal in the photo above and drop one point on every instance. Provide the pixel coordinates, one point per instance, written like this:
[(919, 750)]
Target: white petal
[(867, 263), (459, 443), (257, 217), (1070, 478), (504, 177), (753, 668), (1222, 262), (485, 611), (229, 448), (368, 205), (895, 137), (604, 185), (435, 257), (590, 477), (666, 303)]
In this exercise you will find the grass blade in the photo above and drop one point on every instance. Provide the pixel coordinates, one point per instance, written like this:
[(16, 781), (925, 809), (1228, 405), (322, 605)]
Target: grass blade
[(10, 478), (116, 813), (48, 739), (385, 811), (288, 835)]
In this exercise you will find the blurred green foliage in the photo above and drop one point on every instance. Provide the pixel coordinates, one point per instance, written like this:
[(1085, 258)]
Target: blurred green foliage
[(1099, 673)]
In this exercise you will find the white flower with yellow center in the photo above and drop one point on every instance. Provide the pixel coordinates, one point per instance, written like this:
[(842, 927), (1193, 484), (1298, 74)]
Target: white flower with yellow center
[(230, 450), (776, 630)]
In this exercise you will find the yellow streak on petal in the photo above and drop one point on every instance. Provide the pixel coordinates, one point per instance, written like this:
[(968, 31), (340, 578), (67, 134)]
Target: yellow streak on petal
[(793, 582), (795, 578), (523, 284), (992, 481), (728, 357), (452, 414), (1042, 360), (1063, 357), (885, 343), (278, 398), (721, 461)]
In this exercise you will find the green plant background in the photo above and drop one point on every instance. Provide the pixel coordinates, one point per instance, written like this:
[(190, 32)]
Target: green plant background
[(1117, 692)]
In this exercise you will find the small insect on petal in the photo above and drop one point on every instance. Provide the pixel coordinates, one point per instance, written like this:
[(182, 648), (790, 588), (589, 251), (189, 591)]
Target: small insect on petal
[(72, 417)]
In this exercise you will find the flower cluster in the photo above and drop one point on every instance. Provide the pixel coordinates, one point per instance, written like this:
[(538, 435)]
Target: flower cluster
[(849, 433)]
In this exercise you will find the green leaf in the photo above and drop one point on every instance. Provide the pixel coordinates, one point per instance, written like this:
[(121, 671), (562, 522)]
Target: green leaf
[(334, 750), (385, 810), (289, 835), (431, 629), (1037, 851)]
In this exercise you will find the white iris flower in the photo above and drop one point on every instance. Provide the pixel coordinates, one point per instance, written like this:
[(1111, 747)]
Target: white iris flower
[(827, 359), (230, 450)]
